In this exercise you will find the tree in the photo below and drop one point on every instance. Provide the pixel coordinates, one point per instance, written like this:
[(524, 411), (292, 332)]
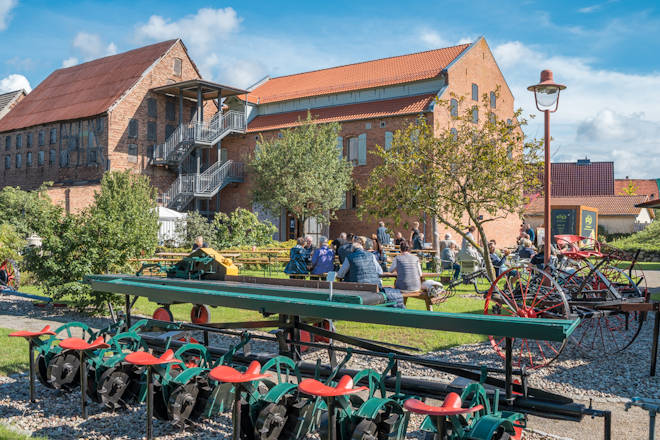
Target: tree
[(11, 243), (464, 174), (302, 172), (629, 190), (29, 211), (241, 228), (192, 226)]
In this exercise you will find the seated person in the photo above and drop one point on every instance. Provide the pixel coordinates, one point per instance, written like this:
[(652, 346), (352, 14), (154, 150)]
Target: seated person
[(199, 243), (360, 266), (418, 241), (297, 259), (323, 258), (398, 239), (345, 248), (499, 263), (526, 250), (408, 270), (448, 257)]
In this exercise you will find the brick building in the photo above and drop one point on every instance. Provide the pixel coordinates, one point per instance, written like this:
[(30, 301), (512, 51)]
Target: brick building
[(150, 111)]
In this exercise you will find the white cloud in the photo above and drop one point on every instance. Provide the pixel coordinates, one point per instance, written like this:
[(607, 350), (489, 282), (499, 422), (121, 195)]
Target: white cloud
[(199, 30), (434, 40), (14, 82), (91, 46), (604, 114), (589, 9), (5, 8), (71, 61)]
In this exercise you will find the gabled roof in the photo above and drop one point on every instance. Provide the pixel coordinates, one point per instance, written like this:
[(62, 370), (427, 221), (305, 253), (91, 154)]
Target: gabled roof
[(645, 187), (376, 73), (7, 99), (606, 205), (582, 178), (84, 90), (350, 112)]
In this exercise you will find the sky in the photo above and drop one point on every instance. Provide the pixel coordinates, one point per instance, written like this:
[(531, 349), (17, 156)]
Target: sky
[(604, 51)]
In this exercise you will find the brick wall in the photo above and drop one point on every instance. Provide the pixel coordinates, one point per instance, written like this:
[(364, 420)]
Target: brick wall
[(73, 198)]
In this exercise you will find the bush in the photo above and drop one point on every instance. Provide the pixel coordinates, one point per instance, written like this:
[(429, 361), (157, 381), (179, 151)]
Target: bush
[(29, 211), (11, 243), (646, 240)]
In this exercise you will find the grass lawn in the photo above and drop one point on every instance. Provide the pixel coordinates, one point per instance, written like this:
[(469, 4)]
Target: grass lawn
[(644, 265), (7, 433), (13, 356)]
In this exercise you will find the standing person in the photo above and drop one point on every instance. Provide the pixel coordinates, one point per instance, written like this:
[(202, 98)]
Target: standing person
[(470, 233), (408, 270), (297, 259), (323, 258), (414, 234), (345, 248), (382, 234), (448, 256), (360, 266), (530, 231), (398, 239), (199, 243)]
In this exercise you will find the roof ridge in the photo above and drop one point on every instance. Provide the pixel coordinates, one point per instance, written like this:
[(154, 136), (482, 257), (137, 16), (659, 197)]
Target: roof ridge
[(371, 61), (172, 41)]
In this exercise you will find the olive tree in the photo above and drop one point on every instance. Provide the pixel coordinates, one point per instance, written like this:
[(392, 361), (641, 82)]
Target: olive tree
[(470, 172)]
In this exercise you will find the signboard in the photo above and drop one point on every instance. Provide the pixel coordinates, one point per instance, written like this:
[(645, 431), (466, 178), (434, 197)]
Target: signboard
[(563, 221), (588, 223)]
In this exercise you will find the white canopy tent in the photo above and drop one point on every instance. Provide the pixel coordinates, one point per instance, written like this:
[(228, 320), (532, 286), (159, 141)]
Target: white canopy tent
[(167, 220)]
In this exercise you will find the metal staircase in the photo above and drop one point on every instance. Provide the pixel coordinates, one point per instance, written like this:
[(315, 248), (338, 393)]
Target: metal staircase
[(204, 185), (188, 136)]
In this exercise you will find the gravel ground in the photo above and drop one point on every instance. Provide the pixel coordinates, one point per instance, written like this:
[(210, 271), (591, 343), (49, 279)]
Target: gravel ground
[(608, 381)]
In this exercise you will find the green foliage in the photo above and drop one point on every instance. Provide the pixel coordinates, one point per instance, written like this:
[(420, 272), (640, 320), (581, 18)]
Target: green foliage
[(29, 211), (463, 174), (646, 240), (11, 243), (301, 172), (240, 228), (122, 223)]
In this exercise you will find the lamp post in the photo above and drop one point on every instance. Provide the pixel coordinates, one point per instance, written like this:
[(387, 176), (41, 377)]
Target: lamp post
[(546, 96)]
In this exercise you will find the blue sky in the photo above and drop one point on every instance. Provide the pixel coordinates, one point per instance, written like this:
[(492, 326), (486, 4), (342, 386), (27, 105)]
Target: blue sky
[(604, 51)]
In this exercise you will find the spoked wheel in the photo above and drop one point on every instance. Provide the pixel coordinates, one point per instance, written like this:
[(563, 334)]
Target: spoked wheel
[(64, 371), (527, 292), (113, 388), (9, 274)]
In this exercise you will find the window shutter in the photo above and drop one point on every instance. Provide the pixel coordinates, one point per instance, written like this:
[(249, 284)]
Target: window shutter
[(362, 149), (388, 140), (340, 146)]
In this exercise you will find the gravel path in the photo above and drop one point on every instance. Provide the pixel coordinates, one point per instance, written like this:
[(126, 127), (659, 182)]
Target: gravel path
[(608, 382)]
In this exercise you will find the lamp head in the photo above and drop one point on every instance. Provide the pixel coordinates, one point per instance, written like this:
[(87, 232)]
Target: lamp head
[(546, 92)]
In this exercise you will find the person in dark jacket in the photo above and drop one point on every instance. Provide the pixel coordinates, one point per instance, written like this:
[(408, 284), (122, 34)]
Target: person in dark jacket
[(360, 266), (199, 243), (323, 258), (297, 259), (382, 234), (398, 239), (345, 248)]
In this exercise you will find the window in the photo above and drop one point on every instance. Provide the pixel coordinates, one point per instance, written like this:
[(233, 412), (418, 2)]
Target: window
[(475, 92), (454, 134), (170, 111), (382, 124), (152, 108), (493, 100), (492, 118), (353, 149), (90, 139), (343, 203), (41, 138), (19, 160), (340, 148), (475, 115), (53, 135), (132, 153), (151, 131), (453, 108), (133, 129), (28, 140), (40, 158), (92, 156), (169, 129), (353, 199), (176, 66), (28, 159), (367, 126), (7, 142), (7, 162), (51, 157), (64, 158), (388, 139), (19, 141)]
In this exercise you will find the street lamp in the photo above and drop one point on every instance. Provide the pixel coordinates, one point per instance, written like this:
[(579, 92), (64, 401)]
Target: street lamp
[(546, 96)]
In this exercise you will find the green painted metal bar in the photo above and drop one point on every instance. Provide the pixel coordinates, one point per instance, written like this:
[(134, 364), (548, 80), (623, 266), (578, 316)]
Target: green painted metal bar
[(542, 329), (257, 289)]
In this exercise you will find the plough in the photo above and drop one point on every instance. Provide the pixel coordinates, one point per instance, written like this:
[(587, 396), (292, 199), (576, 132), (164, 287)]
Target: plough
[(273, 396)]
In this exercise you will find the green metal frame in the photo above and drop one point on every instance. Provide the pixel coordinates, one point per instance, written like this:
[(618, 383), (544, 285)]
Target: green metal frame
[(167, 293)]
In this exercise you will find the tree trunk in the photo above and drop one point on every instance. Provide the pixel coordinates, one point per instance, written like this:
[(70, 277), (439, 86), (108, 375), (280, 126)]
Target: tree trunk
[(484, 252)]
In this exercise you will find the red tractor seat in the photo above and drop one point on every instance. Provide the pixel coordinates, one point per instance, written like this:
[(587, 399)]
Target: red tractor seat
[(224, 373), (144, 358), (316, 388), (27, 334), (450, 407), (81, 344)]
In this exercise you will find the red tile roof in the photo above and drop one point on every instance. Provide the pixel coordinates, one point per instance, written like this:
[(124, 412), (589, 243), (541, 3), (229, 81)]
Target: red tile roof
[(590, 179), (376, 73), (84, 90), (350, 112), (645, 187), (606, 205)]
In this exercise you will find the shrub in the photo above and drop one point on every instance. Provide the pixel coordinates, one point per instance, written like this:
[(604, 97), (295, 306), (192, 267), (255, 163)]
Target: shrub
[(11, 243), (646, 240)]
